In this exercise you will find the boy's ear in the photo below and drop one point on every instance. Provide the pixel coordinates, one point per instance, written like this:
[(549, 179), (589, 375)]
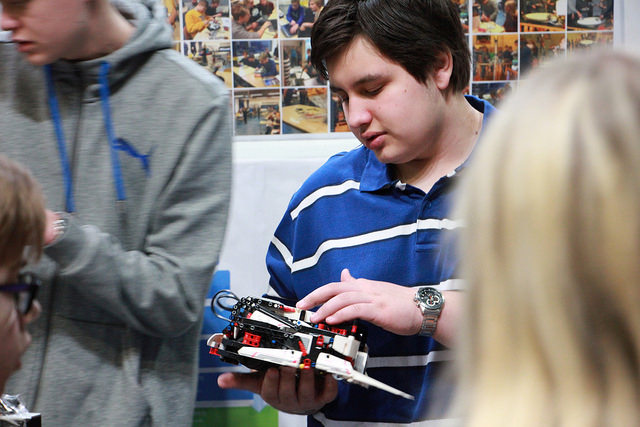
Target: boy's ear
[(443, 70)]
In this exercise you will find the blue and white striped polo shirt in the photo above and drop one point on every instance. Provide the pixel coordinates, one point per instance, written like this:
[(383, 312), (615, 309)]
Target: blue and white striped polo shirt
[(352, 213)]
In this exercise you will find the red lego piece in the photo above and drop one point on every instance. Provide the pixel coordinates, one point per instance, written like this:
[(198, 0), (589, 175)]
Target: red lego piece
[(302, 349), (251, 339), (338, 330)]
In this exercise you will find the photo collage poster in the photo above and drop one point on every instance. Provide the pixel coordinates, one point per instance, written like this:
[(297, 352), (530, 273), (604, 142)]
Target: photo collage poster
[(261, 49), (511, 37)]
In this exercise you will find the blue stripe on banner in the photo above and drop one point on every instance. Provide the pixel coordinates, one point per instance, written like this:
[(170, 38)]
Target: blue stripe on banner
[(221, 280), (211, 323)]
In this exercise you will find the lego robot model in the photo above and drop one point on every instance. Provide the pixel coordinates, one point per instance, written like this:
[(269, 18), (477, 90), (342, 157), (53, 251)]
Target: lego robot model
[(263, 333), (213, 26)]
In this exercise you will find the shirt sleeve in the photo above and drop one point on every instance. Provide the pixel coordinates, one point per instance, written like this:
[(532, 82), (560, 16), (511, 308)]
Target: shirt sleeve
[(301, 15), (194, 24), (240, 32)]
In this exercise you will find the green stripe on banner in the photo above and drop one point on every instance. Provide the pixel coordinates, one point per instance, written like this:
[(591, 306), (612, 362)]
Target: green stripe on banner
[(235, 417)]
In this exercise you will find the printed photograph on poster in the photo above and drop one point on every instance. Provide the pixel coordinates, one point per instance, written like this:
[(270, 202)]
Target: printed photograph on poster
[(495, 57), (542, 15), (254, 21), (266, 44), (304, 110), (585, 15), (495, 16), (463, 11), (581, 41), (213, 55), (492, 92), (173, 17), (205, 20), (257, 112), (535, 49), (296, 64), (338, 119), (297, 17), (256, 64)]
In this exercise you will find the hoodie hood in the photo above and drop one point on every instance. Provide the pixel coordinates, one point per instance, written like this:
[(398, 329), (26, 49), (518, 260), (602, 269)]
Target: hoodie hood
[(152, 33)]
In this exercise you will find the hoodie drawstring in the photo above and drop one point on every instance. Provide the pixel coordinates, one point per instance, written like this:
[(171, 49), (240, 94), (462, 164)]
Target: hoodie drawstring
[(106, 113), (115, 144), (62, 149)]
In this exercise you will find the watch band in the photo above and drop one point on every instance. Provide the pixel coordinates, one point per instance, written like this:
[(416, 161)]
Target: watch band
[(429, 324), (430, 302)]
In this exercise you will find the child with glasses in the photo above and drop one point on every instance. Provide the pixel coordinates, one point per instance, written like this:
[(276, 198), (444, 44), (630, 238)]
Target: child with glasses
[(22, 224)]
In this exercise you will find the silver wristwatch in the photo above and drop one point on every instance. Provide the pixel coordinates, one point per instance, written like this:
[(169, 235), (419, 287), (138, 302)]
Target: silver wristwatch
[(430, 301)]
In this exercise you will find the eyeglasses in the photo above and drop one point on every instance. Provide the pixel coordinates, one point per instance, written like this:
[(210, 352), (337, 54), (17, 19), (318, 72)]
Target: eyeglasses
[(24, 291)]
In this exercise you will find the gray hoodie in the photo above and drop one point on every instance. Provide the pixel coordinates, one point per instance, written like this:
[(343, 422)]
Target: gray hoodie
[(124, 287)]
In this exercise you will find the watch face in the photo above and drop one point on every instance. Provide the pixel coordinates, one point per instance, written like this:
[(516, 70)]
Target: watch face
[(431, 298)]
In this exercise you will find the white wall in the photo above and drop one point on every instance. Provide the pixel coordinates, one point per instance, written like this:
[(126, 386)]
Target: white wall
[(626, 27), (266, 173)]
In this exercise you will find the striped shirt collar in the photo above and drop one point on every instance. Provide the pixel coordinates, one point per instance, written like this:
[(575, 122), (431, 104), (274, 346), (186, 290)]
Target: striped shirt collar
[(378, 175)]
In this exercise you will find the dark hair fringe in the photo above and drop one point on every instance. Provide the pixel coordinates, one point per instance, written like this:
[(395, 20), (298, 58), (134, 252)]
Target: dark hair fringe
[(412, 33)]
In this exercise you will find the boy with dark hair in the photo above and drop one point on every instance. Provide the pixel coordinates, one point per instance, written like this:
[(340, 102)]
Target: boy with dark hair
[(381, 211), (249, 60), (212, 8), (295, 17), (265, 7), (268, 67), (241, 15)]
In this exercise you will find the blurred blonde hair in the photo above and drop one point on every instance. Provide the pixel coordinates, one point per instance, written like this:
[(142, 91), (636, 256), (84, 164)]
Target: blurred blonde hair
[(552, 252), (22, 215)]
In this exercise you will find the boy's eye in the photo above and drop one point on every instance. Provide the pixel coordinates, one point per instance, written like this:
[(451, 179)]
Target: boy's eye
[(374, 91)]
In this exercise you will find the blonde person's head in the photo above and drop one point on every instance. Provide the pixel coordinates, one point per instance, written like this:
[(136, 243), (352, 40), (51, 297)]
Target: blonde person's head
[(22, 215), (552, 252)]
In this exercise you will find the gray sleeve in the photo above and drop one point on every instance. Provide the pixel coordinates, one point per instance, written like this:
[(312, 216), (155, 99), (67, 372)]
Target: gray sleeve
[(160, 289), (239, 32)]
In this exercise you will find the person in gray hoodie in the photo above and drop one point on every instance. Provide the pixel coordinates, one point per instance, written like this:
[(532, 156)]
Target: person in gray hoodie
[(132, 145)]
